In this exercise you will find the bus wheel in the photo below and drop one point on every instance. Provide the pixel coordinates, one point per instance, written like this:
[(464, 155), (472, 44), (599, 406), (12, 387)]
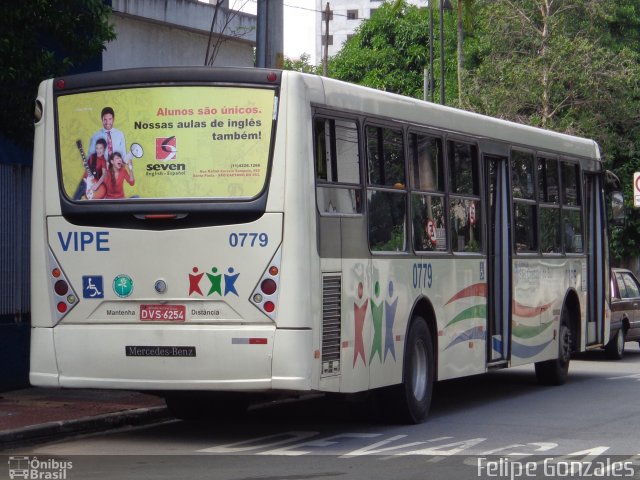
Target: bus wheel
[(192, 406), (555, 372), (409, 402)]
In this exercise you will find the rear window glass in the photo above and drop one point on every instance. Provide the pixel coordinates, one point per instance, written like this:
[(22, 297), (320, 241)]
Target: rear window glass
[(166, 142)]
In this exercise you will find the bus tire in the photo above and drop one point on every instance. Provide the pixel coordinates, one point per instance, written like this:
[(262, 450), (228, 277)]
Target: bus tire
[(409, 402), (555, 371)]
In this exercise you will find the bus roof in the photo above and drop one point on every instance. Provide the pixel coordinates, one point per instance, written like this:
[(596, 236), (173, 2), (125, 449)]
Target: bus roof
[(356, 98)]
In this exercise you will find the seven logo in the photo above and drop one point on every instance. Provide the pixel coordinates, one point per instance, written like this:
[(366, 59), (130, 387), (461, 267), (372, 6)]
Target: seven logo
[(215, 280), (166, 148)]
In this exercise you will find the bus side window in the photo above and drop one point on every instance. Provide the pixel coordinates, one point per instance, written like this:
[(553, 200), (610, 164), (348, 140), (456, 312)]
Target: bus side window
[(427, 197), (337, 162), (524, 201), (549, 197), (550, 229), (464, 200), (571, 211), (386, 194)]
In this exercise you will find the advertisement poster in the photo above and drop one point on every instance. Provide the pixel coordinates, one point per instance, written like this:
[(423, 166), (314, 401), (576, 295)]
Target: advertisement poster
[(173, 142)]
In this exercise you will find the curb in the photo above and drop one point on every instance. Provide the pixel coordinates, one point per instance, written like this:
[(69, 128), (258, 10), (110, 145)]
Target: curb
[(65, 428)]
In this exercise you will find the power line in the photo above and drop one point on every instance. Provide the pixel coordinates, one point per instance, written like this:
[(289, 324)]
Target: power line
[(306, 8)]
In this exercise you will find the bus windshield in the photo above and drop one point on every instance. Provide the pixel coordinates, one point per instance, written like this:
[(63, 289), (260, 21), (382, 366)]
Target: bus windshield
[(164, 143)]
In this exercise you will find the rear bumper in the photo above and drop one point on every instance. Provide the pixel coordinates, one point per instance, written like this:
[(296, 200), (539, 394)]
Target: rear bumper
[(176, 357)]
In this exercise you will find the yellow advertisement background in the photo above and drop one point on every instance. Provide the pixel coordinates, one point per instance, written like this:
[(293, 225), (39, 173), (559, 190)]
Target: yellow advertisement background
[(222, 137)]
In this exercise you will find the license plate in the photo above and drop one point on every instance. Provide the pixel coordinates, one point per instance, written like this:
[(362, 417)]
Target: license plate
[(163, 313)]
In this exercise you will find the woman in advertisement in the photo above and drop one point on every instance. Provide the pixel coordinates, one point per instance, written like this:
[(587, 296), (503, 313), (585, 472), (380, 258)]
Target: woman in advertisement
[(119, 171), (92, 184)]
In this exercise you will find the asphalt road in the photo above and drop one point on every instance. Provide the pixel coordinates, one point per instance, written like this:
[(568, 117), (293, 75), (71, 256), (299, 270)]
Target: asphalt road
[(499, 425)]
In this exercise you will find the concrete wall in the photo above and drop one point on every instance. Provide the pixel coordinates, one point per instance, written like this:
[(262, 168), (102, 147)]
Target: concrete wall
[(152, 33)]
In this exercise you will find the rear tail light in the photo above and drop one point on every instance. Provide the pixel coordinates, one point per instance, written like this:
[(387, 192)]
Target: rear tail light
[(61, 287), (63, 296), (265, 295), (268, 286)]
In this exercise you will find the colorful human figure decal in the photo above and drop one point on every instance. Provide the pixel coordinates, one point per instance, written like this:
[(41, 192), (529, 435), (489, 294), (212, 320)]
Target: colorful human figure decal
[(230, 281), (376, 316), (194, 281), (215, 280), (390, 315), (360, 313), (383, 314)]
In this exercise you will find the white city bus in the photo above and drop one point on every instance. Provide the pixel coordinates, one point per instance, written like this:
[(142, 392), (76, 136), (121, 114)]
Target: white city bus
[(274, 232)]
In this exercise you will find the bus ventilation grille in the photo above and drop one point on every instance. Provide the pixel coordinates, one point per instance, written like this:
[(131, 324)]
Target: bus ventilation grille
[(331, 288)]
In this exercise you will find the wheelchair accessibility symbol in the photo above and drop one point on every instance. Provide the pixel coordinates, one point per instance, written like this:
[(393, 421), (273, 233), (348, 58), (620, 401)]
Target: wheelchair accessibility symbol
[(92, 286)]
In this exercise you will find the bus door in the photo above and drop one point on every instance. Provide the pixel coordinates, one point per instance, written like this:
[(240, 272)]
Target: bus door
[(596, 256), (498, 259)]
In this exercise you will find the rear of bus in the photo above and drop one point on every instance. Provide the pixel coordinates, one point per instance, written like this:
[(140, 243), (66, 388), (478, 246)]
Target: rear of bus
[(169, 277)]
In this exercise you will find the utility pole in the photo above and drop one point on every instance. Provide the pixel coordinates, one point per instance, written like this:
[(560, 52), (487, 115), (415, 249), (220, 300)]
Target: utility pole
[(432, 80), (444, 5), (325, 62), (269, 35)]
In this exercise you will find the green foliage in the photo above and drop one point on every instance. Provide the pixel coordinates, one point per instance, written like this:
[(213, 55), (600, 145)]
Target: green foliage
[(301, 65), (391, 50), (41, 39), (573, 68)]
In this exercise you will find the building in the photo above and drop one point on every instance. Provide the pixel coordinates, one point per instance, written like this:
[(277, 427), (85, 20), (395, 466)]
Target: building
[(176, 32), (344, 18)]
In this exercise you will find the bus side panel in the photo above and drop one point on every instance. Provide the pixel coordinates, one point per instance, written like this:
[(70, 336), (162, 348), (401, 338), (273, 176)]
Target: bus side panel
[(43, 364), (390, 300), (539, 291), (356, 325), (376, 309), (288, 345), (43, 174), (300, 269), (457, 288), (291, 190)]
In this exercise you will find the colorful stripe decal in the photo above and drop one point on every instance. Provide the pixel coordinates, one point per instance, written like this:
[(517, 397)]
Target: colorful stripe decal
[(477, 290), (477, 311), (496, 344), (527, 351), (475, 333), (526, 331), (528, 312)]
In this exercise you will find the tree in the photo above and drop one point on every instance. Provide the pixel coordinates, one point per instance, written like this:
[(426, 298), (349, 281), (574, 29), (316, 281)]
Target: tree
[(301, 64), (464, 18), (221, 28), (41, 39), (389, 51), (564, 65), (572, 66)]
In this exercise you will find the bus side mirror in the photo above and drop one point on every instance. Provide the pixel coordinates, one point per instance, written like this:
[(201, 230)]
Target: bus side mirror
[(617, 209)]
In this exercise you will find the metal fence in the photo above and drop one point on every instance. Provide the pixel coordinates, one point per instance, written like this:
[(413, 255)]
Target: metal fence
[(15, 204)]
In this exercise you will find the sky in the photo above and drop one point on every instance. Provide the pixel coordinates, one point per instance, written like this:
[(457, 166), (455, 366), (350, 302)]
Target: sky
[(299, 28)]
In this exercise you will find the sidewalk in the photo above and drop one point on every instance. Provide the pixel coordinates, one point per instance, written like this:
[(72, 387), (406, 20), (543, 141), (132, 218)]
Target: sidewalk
[(38, 414)]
